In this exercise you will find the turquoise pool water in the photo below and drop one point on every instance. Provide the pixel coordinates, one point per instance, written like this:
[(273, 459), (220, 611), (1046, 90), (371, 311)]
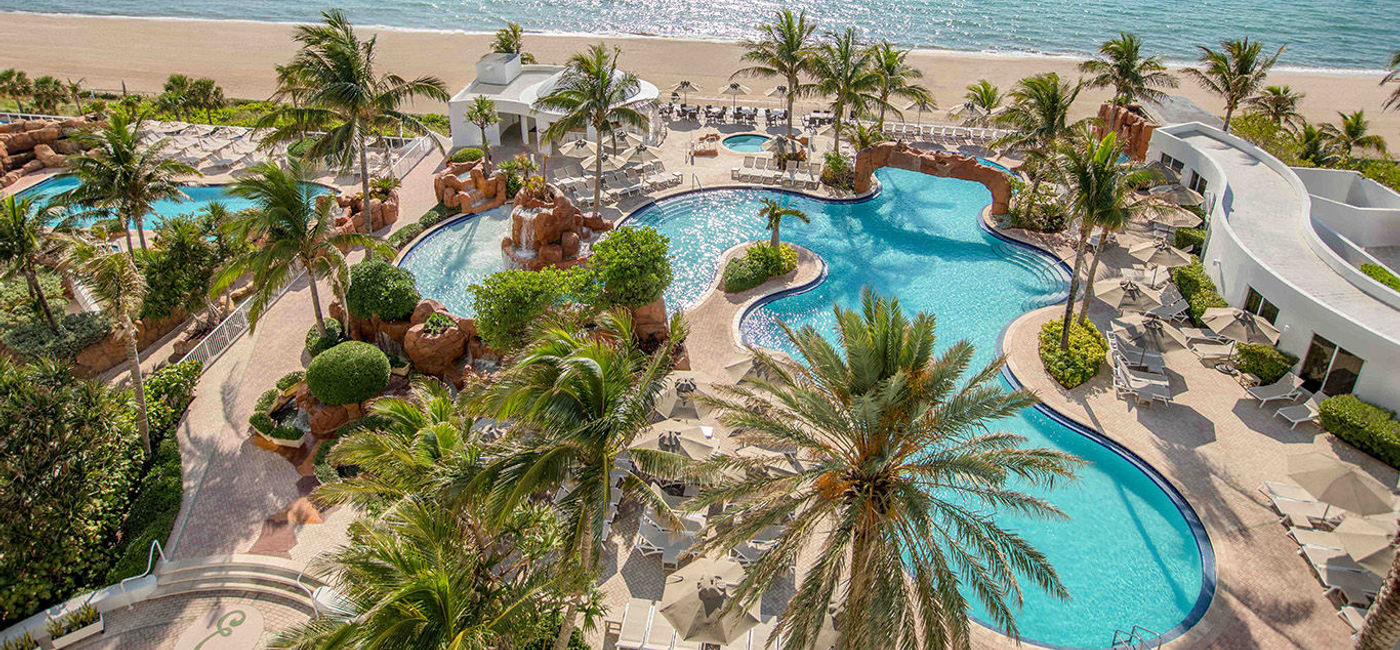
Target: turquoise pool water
[(1127, 554), (458, 256), (992, 163), (746, 143), (199, 196)]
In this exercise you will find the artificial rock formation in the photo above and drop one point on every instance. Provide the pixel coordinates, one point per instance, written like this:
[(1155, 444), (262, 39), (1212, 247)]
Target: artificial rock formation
[(111, 351), (437, 355), (471, 194), (933, 163), (1133, 127), (382, 212), (34, 145), (548, 232)]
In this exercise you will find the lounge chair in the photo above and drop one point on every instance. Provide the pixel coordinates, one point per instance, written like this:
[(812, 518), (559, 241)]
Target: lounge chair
[(1306, 514), (1286, 388), (1134, 356), (1174, 311), (1354, 617), (1276, 490), (636, 622), (1305, 412), (1201, 334), (1354, 588), (1317, 538), (1213, 351)]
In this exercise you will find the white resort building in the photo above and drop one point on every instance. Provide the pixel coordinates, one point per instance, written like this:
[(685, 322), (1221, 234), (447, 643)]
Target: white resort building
[(1288, 244), (514, 87)]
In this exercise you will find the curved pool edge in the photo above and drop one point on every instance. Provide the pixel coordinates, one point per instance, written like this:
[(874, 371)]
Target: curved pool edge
[(874, 192), (413, 243)]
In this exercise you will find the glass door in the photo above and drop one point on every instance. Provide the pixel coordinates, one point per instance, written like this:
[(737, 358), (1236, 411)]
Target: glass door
[(1330, 368)]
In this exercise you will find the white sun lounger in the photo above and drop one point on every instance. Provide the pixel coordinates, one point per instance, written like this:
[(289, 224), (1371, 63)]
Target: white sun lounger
[(1213, 351), (1318, 538), (1305, 412), (1286, 388), (1174, 311), (636, 621), (1355, 588), (1306, 514), (1278, 490), (1354, 617)]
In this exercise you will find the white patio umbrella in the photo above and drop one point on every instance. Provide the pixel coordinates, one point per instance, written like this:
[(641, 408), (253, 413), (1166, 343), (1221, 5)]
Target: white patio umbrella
[(734, 89), (1336, 484), (618, 142), (609, 163), (967, 111), (676, 436), (780, 91), (696, 599), (1177, 218), (1240, 325), (685, 87), (1149, 332), (642, 154), (576, 148), (1122, 293), (782, 145), (1178, 194), (741, 367), (1367, 542), (1160, 253)]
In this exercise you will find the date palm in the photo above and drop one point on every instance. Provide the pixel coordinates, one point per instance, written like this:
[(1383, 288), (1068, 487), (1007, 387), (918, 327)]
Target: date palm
[(15, 84), (295, 231), (844, 72), (783, 51), (1316, 148), (24, 238), (1382, 628), (901, 468), (773, 212), (124, 177), (1352, 132), (1390, 77), (1133, 77), (206, 94), (593, 94), (578, 400), (48, 94), (1039, 121), (1279, 104), (482, 113), (1235, 72), (510, 40), (896, 78), (347, 100)]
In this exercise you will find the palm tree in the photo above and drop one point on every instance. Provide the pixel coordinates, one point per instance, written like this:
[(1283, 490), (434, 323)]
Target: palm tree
[(1121, 66), (175, 96), (1102, 191), (296, 231), (509, 40), (578, 400), (123, 176), (347, 100), (984, 96), (292, 84), (843, 70), (1390, 102), (593, 94), (1382, 628), (48, 94), (773, 212), (482, 113), (1039, 119), (895, 78), (75, 91), (1235, 72), (900, 472), (862, 136), (1352, 133), (206, 94), (1316, 148), (15, 84), (782, 51), (120, 290), (24, 238), (1279, 104)]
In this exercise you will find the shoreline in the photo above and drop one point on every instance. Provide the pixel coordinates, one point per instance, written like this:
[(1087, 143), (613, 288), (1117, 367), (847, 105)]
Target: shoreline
[(240, 54)]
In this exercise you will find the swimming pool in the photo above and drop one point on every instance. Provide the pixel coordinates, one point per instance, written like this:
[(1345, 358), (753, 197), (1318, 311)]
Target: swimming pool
[(199, 197), (746, 143), (992, 163), (458, 255), (1130, 554)]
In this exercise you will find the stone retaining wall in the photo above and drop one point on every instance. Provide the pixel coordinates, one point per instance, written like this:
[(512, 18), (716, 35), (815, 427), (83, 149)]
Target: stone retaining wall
[(934, 163), (31, 146)]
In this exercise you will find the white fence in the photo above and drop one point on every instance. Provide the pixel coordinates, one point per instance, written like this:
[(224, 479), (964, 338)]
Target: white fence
[(411, 156), (227, 332), (17, 117)]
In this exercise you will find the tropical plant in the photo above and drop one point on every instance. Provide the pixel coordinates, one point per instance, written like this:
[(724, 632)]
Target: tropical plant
[(1316, 147), (1390, 77), (781, 52), (896, 78), (773, 212), (179, 268), (296, 231), (121, 176), (1039, 119), (593, 93), (630, 267), (1280, 104), (1352, 132), (1121, 66), (482, 113), (15, 84), (24, 238), (509, 40), (901, 471), (347, 101), (1382, 627), (292, 84), (349, 373), (1235, 72), (862, 136), (75, 92), (48, 94), (175, 96), (843, 71), (577, 401), (207, 95)]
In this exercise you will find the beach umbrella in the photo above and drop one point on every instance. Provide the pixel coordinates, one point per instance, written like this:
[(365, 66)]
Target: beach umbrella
[(609, 163), (779, 91), (740, 368), (1177, 194), (1239, 325), (1148, 331), (1168, 175), (642, 154), (1160, 253), (696, 601), (922, 105), (619, 142), (782, 145), (1122, 293), (676, 436), (1152, 276), (1337, 484), (685, 87), (576, 148), (1176, 218), (967, 111), (1368, 543), (734, 89)]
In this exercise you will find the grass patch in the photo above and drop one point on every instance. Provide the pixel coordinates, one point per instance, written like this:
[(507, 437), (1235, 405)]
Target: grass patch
[(1382, 275)]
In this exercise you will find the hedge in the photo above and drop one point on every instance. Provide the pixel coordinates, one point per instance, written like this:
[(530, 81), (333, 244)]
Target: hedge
[(1189, 239), (631, 267), (469, 154), (260, 420), (1368, 427), (1382, 275), (290, 379), (1198, 289), (1266, 362), (349, 373), (1078, 364), (400, 238), (757, 265), (378, 288), (316, 342)]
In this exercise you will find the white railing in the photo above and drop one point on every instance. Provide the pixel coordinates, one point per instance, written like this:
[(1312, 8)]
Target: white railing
[(227, 332), (14, 117), (411, 156)]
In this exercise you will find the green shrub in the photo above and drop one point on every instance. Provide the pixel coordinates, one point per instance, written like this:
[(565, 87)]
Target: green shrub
[(1258, 129), (260, 420), (435, 215), (152, 514), (76, 332), (22, 642), (378, 288), (1078, 364), (837, 171), (1266, 362), (438, 323), (316, 342), (757, 265), (168, 391), (1198, 289), (508, 302), (1368, 427), (1382, 275), (631, 267), (348, 373), (285, 432), (468, 154), (324, 470), (400, 238), (1189, 239), (72, 621), (290, 379)]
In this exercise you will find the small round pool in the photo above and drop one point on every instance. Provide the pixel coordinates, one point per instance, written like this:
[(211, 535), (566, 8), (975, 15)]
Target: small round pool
[(746, 143)]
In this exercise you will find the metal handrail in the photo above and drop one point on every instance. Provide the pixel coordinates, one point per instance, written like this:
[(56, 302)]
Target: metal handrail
[(1135, 639), (223, 336), (150, 564), (33, 116)]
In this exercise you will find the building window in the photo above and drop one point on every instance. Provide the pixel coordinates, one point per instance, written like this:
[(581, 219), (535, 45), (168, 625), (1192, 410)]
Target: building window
[(1197, 183), (1257, 304), (1330, 368), (1172, 163)]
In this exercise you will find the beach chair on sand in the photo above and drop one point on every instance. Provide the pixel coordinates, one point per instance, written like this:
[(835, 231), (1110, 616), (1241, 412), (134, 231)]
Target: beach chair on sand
[(1286, 388), (1305, 412)]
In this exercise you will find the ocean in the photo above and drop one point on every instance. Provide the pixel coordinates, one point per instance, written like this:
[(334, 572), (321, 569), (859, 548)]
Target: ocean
[(1327, 34)]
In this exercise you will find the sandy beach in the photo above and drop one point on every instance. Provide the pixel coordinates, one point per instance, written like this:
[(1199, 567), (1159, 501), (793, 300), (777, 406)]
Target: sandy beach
[(141, 52)]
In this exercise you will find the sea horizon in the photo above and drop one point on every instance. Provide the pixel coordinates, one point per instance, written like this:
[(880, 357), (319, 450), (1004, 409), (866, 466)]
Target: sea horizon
[(1320, 50)]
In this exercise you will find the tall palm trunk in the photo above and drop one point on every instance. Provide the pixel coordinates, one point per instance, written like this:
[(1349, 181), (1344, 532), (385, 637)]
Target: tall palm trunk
[(316, 301), (140, 220), (1089, 278), (598, 173), (1382, 629), (585, 559), (884, 99), (774, 241), (126, 230), (1074, 285), (855, 627), (485, 149), (1229, 113), (37, 292), (792, 90), (133, 357)]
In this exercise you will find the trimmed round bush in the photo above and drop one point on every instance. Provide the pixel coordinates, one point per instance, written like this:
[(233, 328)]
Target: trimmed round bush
[(349, 373), (469, 154), (1078, 364), (631, 267), (317, 343), (757, 265), (381, 289)]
